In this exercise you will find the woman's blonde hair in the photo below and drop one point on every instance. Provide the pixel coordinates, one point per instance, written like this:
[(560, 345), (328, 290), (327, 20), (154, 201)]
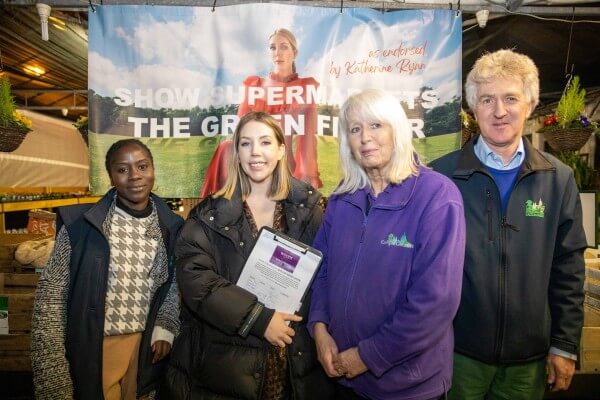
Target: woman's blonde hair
[(504, 64), (373, 105), (280, 183), (290, 38)]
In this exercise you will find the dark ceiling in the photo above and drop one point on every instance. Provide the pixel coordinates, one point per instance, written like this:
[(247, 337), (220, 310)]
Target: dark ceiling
[(547, 43), (64, 56)]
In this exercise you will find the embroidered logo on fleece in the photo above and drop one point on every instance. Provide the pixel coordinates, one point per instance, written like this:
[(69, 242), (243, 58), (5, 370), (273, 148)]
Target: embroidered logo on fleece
[(392, 240), (534, 209)]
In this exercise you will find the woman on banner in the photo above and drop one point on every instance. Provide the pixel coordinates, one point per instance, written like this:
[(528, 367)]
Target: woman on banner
[(393, 242), (288, 98), (232, 346), (106, 306)]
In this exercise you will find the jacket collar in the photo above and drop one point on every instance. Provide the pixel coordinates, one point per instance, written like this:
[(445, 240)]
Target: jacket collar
[(229, 212), (97, 214), (468, 163), (393, 197)]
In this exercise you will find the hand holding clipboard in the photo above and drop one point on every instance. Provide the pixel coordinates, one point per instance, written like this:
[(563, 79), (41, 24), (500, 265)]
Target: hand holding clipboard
[(279, 270)]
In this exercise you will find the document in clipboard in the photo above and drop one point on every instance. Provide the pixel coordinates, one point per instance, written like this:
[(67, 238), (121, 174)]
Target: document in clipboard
[(279, 270)]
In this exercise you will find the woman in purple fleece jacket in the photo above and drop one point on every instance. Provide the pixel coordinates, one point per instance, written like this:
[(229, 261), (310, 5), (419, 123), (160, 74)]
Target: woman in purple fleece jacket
[(393, 241)]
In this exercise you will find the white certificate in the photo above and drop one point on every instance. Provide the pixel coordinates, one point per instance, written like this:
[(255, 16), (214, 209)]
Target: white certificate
[(279, 270)]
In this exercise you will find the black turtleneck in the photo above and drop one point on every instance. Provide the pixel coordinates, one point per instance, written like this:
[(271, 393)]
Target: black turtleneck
[(135, 213)]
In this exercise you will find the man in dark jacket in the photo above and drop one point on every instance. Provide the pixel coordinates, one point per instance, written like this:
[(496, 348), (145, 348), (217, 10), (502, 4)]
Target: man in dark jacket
[(519, 321)]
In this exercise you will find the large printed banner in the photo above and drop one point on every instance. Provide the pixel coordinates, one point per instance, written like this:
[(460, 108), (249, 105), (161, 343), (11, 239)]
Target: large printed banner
[(179, 78)]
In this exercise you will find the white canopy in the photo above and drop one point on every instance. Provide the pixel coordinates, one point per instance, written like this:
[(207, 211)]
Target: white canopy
[(53, 154)]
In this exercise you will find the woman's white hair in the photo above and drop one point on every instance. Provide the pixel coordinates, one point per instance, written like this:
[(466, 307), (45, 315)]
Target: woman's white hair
[(373, 105)]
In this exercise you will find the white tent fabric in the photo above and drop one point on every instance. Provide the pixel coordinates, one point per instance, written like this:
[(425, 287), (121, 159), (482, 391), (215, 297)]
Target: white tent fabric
[(53, 155)]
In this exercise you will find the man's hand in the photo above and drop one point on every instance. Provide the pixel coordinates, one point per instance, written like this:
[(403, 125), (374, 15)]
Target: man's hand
[(278, 333), (160, 349), (327, 350), (350, 363), (560, 372)]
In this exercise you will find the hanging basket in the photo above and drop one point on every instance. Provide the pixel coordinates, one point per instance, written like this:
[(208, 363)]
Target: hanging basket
[(567, 139), (11, 137)]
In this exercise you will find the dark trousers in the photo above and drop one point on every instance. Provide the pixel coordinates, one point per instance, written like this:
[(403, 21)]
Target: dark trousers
[(344, 393)]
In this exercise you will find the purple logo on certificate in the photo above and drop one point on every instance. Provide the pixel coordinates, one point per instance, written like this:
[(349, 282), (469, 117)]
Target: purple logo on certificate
[(284, 259)]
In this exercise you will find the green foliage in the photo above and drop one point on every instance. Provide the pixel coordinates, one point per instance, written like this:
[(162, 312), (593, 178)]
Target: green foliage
[(571, 104), (82, 122), (585, 176), (7, 103), (443, 119)]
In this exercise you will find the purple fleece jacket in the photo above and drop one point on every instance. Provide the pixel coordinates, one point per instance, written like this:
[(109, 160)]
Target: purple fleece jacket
[(390, 284)]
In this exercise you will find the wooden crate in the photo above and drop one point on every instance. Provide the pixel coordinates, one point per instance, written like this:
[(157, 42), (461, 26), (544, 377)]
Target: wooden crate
[(20, 290), (590, 350), (591, 287), (18, 283), (593, 263), (15, 354), (15, 347), (591, 315)]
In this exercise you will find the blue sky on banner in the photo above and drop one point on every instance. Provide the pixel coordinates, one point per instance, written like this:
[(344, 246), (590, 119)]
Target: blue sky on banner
[(158, 48)]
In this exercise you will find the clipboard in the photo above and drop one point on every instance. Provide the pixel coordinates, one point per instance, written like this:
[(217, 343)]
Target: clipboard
[(279, 270)]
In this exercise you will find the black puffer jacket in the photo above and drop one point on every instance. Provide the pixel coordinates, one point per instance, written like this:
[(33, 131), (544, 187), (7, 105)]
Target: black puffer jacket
[(221, 352)]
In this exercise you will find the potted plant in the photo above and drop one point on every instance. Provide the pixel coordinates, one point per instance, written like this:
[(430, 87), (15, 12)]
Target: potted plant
[(568, 128), (13, 126)]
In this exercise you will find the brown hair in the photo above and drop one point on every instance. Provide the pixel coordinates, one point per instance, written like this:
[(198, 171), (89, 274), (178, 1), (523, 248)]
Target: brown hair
[(280, 183)]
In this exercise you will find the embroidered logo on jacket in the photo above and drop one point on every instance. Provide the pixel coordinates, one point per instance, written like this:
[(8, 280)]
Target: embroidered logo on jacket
[(392, 240), (534, 209)]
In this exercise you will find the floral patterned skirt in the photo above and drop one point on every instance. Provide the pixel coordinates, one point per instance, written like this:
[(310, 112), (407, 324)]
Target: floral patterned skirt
[(276, 385)]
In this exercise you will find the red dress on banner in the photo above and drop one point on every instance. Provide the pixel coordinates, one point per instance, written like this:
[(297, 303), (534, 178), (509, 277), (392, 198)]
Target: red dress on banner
[(303, 161)]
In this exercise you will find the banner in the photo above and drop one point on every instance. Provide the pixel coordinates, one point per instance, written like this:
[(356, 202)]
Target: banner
[(178, 78)]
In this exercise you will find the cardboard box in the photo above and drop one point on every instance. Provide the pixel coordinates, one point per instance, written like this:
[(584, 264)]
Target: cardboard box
[(42, 222), (590, 350)]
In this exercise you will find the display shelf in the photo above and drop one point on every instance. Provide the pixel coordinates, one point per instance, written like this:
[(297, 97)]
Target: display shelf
[(51, 203), (43, 204)]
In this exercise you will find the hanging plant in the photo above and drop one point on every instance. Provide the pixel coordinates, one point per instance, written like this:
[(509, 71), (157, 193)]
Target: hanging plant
[(568, 128), (9, 116), (13, 125)]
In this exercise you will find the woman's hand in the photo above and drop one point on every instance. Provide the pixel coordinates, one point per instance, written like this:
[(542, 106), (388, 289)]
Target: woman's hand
[(278, 333), (327, 350), (160, 349), (350, 363)]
